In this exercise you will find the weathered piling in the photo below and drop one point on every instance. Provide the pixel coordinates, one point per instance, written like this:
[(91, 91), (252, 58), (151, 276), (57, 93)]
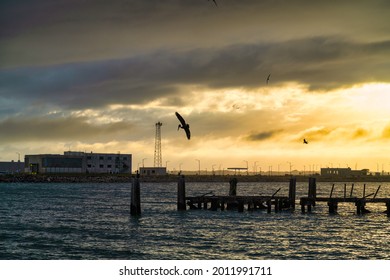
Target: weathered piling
[(332, 203), (232, 192), (292, 192), (351, 190), (331, 191), (312, 188), (388, 208), (377, 191), (181, 194), (345, 191), (233, 187), (135, 205)]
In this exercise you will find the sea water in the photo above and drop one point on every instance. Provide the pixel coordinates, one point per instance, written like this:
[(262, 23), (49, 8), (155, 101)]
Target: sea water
[(92, 221)]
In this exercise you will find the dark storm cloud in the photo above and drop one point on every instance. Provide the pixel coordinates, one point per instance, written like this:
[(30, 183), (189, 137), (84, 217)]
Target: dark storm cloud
[(319, 62), (70, 128)]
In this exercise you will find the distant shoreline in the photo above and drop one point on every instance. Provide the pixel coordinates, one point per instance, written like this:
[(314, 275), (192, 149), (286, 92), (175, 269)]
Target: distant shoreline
[(126, 178)]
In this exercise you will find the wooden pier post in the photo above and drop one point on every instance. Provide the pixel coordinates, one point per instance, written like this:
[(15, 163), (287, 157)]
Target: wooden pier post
[(240, 206), (351, 190), (222, 205), (292, 192), (214, 204), (332, 206), (388, 208), (377, 191), (276, 205), (268, 206), (312, 191), (181, 194), (345, 191), (135, 204), (359, 207), (233, 187), (331, 191), (364, 190)]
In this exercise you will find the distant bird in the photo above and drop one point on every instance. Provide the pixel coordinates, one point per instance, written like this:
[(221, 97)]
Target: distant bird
[(215, 2), (183, 125), (305, 141), (268, 78), (235, 106)]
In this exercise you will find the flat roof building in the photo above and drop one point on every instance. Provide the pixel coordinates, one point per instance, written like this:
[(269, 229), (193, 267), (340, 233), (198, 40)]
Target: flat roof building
[(343, 172), (11, 167), (78, 162)]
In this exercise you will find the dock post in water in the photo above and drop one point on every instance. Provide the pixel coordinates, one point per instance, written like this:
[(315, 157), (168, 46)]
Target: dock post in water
[(312, 193), (351, 190), (292, 192), (135, 205), (233, 187), (312, 188), (377, 191), (181, 194), (388, 208), (332, 206), (232, 192), (345, 191)]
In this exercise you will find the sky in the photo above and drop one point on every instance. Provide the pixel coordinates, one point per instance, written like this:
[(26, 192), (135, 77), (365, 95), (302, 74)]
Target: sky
[(97, 75)]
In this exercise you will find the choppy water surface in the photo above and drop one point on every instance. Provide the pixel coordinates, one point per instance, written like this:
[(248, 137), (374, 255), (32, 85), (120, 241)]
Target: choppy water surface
[(92, 221)]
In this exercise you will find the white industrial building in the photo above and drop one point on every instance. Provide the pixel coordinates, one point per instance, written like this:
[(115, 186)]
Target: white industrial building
[(78, 162)]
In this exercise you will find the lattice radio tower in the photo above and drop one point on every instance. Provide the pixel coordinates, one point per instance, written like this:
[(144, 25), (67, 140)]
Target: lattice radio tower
[(157, 146)]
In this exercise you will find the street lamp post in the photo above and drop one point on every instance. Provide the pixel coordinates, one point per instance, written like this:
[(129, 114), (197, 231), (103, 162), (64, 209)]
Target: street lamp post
[(143, 162), (198, 165)]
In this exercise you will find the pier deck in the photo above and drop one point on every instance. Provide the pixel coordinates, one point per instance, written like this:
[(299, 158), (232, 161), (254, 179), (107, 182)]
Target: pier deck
[(239, 202)]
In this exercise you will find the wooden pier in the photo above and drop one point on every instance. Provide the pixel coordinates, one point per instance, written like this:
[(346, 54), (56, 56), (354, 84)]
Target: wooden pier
[(233, 201), (333, 202)]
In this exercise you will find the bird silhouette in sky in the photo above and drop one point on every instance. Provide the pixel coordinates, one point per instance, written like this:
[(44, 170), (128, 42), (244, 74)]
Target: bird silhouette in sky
[(305, 141), (268, 78), (183, 125), (215, 2)]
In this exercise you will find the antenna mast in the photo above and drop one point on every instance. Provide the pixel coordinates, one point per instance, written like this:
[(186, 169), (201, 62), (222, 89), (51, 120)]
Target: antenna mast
[(157, 146)]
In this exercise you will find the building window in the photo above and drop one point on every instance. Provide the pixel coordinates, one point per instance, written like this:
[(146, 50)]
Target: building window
[(101, 166), (89, 157), (109, 158), (109, 166), (89, 166), (101, 158)]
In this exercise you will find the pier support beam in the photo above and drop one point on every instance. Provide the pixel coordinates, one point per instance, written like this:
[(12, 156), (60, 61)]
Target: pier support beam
[(135, 204), (214, 204), (233, 187), (181, 194), (268, 206), (240, 206), (292, 192), (360, 204), (312, 190), (332, 206)]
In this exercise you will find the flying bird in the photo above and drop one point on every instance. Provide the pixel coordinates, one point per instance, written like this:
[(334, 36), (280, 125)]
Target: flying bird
[(215, 2), (305, 141), (268, 78), (183, 125)]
